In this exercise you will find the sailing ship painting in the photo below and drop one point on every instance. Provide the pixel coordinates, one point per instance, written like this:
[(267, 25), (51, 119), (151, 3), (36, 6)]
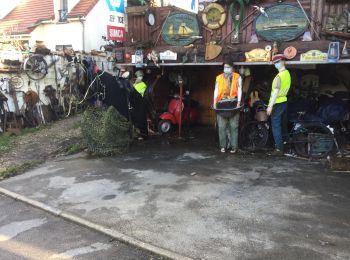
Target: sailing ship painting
[(180, 29), (183, 31), (284, 22)]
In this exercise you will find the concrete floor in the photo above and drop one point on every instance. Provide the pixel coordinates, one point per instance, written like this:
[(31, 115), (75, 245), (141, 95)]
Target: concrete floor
[(188, 198)]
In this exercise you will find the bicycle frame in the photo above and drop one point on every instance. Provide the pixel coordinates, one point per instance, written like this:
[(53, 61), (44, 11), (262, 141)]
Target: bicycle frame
[(309, 139)]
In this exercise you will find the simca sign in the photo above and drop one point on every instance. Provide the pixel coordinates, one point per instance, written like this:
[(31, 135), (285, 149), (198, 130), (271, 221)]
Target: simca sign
[(168, 55), (115, 33)]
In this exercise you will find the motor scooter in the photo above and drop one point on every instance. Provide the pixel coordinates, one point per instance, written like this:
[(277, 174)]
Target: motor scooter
[(176, 106)]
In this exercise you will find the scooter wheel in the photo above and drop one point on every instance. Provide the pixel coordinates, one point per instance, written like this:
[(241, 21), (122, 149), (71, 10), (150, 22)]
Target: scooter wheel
[(164, 126)]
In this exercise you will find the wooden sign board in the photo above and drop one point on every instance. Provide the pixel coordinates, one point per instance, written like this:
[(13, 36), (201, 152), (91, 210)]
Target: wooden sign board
[(258, 55), (313, 55), (284, 22), (180, 29)]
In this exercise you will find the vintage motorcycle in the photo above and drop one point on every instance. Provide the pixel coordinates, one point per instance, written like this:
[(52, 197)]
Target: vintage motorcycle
[(177, 106)]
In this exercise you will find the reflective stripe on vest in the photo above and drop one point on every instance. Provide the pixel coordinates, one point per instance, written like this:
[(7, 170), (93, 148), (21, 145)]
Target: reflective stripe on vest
[(222, 85), (285, 85), (140, 87)]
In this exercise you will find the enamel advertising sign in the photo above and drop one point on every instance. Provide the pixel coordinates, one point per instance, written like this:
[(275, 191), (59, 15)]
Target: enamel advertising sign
[(116, 20)]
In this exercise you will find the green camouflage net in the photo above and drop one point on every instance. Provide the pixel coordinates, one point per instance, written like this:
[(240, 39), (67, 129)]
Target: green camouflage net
[(105, 132)]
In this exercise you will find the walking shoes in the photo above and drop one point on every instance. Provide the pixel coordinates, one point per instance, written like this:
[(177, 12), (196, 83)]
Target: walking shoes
[(276, 152)]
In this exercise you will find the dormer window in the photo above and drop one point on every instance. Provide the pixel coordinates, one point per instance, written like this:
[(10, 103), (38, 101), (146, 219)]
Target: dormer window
[(63, 11)]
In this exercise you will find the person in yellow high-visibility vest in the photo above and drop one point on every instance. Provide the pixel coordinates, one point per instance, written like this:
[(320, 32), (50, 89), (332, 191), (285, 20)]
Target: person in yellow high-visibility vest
[(228, 85), (277, 106), (139, 85)]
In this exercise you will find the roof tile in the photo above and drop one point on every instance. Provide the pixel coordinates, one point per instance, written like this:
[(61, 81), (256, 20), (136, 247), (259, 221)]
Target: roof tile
[(22, 19), (82, 8)]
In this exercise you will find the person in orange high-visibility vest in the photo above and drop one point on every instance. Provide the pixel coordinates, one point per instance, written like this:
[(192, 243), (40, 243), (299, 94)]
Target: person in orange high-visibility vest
[(228, 85)]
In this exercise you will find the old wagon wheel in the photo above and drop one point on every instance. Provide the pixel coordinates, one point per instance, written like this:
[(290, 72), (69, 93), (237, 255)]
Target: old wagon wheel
[(35, 67)]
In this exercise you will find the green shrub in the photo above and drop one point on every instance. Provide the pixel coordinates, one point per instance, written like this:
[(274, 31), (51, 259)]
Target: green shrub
[(105, 132)]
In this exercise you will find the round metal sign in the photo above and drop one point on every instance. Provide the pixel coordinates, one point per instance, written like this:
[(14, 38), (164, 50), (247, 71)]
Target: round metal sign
[(282, 22), (180, 29)]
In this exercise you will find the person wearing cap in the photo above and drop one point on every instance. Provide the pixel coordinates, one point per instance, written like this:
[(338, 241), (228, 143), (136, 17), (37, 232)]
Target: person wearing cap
[(228, 85), (139, 85), (277, 106)]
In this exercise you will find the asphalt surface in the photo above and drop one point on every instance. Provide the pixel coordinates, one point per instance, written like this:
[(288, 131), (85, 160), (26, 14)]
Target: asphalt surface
[(30, 233), (188, 198)]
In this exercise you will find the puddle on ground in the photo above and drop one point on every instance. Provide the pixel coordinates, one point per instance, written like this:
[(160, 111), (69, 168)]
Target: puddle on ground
[(109, 197)]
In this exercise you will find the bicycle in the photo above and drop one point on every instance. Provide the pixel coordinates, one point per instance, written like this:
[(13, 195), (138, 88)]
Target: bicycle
[(9, 87), (14, 81), (36, 67), (68, 78), (308, 138), (72, 80)]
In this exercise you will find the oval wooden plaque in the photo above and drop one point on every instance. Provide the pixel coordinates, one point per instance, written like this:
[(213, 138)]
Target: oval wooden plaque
[(179, 29), (285, 22)]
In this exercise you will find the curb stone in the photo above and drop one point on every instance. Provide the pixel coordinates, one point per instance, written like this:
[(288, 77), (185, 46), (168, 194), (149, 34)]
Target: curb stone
[(109, 232)]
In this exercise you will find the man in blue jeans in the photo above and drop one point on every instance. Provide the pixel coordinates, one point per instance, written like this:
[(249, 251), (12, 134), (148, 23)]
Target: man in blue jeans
[(277, 106)]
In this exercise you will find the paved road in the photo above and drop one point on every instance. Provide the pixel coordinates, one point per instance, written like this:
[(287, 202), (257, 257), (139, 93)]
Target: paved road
[(187, 198), (29, 233)]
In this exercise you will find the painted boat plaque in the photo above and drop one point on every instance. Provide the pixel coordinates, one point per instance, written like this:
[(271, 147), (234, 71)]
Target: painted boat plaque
[(180, 29), (284, 22)]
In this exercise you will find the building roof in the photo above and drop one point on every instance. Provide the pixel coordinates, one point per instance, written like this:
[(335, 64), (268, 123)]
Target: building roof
[(23, 18), (82, 8), (29, 13)]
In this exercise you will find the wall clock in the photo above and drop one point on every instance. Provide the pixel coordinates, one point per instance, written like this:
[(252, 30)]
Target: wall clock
[(150, 18)]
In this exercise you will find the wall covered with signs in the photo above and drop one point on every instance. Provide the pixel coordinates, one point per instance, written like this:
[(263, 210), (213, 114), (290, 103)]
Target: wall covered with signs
[(318, 12), (284, 20)]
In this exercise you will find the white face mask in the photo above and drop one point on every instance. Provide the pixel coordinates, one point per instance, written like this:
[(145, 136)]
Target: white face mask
[(278, 65), (227, 70)]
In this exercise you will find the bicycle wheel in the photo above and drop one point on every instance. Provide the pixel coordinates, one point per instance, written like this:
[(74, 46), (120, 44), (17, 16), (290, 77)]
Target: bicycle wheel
[(16, 82), (313, 140), (35, 67), (254, 136)]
